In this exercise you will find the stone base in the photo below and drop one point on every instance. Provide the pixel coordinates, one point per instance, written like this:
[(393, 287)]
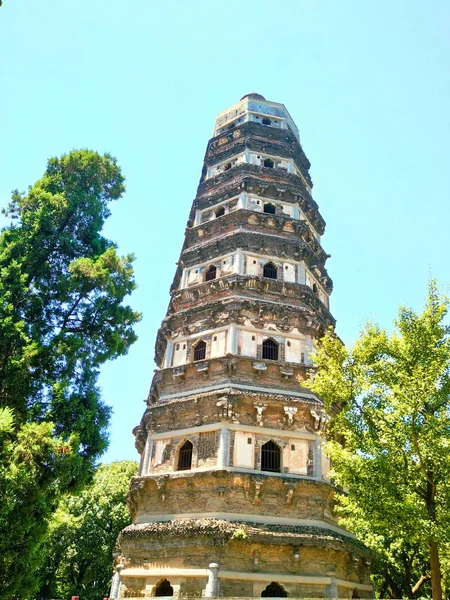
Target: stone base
[(210, 558)]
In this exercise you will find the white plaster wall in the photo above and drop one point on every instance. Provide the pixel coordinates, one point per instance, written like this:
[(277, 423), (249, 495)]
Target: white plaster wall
[(309, 349), (301, 273), (249, 109), (244, 453), (218, 344), (254, 204), (288, 209), (216, 169), (308, 279), (286, 457), (323, 297), (247, 344), (159, 450), (298, 458), (325, 465), (293, 350), (227, 265), (289, 272), (253, 159), (179, 354), (239, 263), (252, 265), (193, 277), (257, 205)]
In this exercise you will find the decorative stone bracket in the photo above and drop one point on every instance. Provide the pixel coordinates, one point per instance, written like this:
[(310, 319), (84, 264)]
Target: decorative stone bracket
[(260, 408), (161, 485), (226, 409), (202, 368), (290, 491), (290, 412), (286, 372), (258, 486), (320, 419), (255, 564), (178, 373)]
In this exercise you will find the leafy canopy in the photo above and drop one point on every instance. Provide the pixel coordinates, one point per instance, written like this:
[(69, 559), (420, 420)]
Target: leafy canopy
[(390, 438), (83, 534), (62, 287)]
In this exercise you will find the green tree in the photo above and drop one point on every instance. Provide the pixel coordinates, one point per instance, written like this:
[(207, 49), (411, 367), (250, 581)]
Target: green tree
[(62, 286), (83, 534), (390, 439)]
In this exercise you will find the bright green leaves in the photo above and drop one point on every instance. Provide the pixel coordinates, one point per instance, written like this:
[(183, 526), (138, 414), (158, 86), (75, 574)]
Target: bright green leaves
[(83, 534), (389, 397)]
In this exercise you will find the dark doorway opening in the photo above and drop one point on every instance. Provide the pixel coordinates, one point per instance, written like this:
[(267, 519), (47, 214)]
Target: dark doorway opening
[(271, 461), (184, 462), (273, 590)]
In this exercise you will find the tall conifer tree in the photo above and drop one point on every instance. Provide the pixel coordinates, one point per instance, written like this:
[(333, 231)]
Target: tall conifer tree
[(62, 287)]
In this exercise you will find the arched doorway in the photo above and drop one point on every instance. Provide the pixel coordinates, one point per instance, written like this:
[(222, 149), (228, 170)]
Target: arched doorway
[(185, 457), (274, 590), (164, 589), (270, 271), (211, 273), (269, 208), (271, 459), (270, 349), (200, 350)]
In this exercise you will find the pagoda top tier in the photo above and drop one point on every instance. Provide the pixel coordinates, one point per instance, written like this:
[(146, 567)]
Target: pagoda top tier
[(254, 107)]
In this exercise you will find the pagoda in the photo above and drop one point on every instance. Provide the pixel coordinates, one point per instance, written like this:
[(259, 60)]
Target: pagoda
[(233, 496)]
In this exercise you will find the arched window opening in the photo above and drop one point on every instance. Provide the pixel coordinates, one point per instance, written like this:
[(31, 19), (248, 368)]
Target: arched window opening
[(315, 288), (211, 273), (271, 460), (266, 121), (270, 271), (164, 589), (269, 208), (220, 212), (270, 349), (269, 163), (273, 590), (184, 464), (227, 167), (200, 351)]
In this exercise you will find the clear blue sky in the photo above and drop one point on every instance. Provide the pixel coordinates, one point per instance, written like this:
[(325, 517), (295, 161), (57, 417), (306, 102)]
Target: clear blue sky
[(367, 83)]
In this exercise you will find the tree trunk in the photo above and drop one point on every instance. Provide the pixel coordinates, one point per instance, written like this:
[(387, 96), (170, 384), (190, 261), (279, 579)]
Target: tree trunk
[(435, 571)]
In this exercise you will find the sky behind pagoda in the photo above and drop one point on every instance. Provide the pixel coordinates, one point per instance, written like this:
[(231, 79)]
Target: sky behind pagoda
[(367, 83)]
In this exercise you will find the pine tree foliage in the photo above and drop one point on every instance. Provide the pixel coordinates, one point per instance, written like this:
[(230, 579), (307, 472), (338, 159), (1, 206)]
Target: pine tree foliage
[(390, 441), (62, 287)]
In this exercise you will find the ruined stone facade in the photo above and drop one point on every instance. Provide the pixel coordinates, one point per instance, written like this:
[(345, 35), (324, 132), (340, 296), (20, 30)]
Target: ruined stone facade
[(233, 497)]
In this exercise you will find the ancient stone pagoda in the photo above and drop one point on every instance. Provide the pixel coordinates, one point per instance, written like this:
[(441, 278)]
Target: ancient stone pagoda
[(233, 496)]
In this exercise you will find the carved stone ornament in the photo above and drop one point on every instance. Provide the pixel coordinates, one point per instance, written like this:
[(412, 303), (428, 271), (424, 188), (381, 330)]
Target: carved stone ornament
[(260, 408), (320, 419), (257, 496), (290, 412)]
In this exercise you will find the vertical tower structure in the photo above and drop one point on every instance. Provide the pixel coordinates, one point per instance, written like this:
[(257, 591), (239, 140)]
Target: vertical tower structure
[(233, 496)]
